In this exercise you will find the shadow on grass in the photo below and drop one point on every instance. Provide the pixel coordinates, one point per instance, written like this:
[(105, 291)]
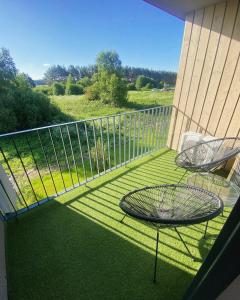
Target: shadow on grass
[(76, 248), (56, 253)]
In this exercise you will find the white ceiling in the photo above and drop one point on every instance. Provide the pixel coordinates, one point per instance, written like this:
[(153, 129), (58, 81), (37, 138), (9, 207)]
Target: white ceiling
[(180, 8)]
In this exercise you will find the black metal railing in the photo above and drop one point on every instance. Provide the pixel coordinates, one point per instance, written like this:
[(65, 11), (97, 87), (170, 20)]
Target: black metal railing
[(45, 162)]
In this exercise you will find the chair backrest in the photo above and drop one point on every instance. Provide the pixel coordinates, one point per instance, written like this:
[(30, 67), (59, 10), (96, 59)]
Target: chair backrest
[(208, 155)]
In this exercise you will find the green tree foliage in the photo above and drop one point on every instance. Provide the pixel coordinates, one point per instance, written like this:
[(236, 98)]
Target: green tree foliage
[(144, 82), (75, 89), (85, 82), (161, 85), (58, 89), (109, 61), (131, 74), (24, 80), (108, 86), (55, 73), (8, 69), (131, 87), (74, 72), (68, 84), (45, 89)]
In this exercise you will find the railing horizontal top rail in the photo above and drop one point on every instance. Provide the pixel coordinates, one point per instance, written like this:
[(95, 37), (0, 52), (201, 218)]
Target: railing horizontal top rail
[(81, 121)]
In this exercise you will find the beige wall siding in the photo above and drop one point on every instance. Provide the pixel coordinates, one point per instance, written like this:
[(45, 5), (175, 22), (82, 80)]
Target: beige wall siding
[(207, 95)]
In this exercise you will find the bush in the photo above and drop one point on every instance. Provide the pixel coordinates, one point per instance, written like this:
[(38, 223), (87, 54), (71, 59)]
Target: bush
[(109, 88), (142, 81), (45, 89), (131, 87), (161, 85), (58, 89), (24, 108), (92, 92), (85, 82), (148, 86), (74, 89)]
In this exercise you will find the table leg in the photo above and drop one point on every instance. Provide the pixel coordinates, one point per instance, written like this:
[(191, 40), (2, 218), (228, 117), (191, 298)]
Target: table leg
[(184, 243), (205, 232), (155, 265)]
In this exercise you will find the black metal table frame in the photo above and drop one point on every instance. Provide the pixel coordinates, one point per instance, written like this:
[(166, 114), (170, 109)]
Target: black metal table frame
[(172, 224)]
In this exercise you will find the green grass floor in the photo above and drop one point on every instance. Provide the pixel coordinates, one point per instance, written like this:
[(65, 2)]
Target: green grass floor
[(74, 247)]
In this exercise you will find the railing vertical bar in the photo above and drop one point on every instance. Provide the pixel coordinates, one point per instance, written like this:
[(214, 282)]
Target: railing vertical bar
[(164, 126), (73, 156), (102, 145), (46, 161), (157, 128), (13, 176), (109, 154), (95, 144), (114, 141), (134, 137), (129, 136), (119, 137), (143, 133), (124, 149), (81, 153), (89, 154), (138, 138), (25, 171), (152, 133), (9, 199), (56, 157), (65, 152), (160, 127), (36, 165)]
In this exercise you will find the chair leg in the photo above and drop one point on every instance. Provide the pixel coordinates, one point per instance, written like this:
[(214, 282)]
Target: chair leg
[(193, 258), (156, 254), (205, 231), (182, 176)]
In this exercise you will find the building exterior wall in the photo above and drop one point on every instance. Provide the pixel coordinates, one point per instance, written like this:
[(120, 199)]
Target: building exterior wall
[(207, 94)]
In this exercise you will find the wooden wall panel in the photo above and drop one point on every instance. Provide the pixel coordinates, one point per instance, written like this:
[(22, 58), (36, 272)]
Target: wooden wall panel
[(208, 89)]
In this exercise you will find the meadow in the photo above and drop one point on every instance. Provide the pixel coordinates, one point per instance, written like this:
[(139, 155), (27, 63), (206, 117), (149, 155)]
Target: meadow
[(47, 162), (79, 108)]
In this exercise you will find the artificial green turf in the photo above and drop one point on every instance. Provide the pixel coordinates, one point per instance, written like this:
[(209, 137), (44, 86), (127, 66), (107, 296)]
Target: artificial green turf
[(75, 247)]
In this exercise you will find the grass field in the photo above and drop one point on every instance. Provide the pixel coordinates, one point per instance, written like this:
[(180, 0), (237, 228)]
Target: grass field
[(79, 108)]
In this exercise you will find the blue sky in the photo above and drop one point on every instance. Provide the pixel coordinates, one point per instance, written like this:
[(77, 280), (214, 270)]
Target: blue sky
[(46, 32)]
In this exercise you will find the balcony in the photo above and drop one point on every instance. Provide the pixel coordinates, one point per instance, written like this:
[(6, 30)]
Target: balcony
[(74, 245)]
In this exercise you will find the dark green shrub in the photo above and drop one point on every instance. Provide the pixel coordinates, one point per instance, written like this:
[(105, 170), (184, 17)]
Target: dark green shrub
[(58, 89), (85, 82), (142, 81), (45, 89), (24, 108), (161, 85), (75, 89), (92, 92), (131, 87)]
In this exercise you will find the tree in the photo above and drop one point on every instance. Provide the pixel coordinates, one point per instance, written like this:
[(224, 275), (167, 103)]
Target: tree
[(68, 84), (109, 88), (109, 61), (8, 69), (85, 81), (25, 79), (55, 73), (75, 72)]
